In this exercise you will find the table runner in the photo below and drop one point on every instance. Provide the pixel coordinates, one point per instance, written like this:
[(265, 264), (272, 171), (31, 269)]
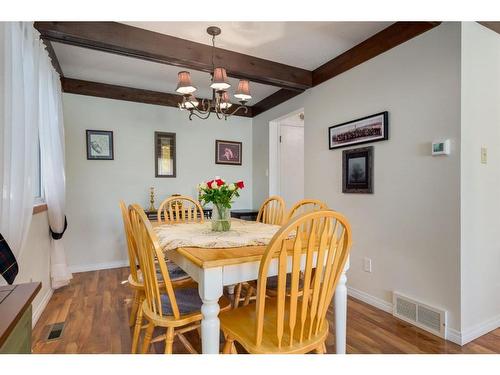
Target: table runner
[(242, 233)]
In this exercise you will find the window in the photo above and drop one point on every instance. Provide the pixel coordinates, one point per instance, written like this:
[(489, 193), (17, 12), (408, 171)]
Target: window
[(37, 186)]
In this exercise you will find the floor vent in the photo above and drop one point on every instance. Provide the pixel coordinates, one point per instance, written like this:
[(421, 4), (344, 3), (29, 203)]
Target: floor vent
[(55, 331), (419, 314)]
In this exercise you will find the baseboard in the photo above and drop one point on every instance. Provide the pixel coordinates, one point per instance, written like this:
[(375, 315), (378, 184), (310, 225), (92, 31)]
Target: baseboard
[(99, 266), (454, 336), (38, 310), (451, 334), (480, 329), (369, 299)]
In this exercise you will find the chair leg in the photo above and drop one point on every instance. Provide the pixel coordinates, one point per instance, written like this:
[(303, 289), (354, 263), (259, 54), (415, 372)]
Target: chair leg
[(186, 343), (228, 345), (320, 349), (134, 308), (147, 338), (237, 294), (169, 341), (137, 331), (250, 291)]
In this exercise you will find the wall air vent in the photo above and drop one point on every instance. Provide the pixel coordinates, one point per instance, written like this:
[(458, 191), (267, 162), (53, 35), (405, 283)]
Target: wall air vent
[(419, 314)]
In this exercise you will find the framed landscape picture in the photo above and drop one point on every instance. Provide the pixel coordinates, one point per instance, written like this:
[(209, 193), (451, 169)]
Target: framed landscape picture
[(367, 129), (228, 152), (357, 170), (100, 145), (165, 160)]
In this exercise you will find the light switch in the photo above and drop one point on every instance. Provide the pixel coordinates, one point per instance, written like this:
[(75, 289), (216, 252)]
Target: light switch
[(484, 155)]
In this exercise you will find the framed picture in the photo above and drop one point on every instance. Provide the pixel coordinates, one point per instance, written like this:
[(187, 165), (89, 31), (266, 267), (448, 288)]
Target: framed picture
[(100, 145), (165, 161), (228, 152), (357, 170), (367, 129)]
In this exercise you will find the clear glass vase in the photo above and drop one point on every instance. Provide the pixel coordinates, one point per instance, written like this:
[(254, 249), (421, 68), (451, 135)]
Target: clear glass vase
[(221, 219)]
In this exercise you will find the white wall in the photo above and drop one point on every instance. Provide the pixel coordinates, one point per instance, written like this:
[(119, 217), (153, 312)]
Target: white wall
[(34, 262), (95, 236), (410, 226), (480, 253)]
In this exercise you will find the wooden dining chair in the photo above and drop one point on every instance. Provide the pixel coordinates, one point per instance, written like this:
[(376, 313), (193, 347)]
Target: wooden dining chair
[(165, 305), (272, 211), (301, 207), (305, 205), (180, 209), (136, 281), (294, 321)]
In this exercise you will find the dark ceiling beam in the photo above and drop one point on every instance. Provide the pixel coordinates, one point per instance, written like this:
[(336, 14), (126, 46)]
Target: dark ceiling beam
[(273, 100), (377, 44), (492, 25), (53, 57), (148, 45), (103, 90)]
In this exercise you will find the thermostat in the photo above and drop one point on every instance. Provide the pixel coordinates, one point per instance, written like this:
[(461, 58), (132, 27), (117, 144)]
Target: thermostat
[(441, 147)]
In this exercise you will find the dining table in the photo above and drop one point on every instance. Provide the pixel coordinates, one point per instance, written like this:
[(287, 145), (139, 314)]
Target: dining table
[(218, 259)]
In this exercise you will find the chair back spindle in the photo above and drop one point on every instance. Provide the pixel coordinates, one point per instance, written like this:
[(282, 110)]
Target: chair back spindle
[(272, 211), (316, 263), (180, 209), (306, 205)]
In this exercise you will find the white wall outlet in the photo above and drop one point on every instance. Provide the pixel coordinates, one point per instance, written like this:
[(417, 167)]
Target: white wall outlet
[(484, 155), (367, 264)]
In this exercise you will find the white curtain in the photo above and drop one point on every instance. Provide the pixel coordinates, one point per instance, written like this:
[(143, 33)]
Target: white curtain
[(52, 164), (20, 52), (32, 113)]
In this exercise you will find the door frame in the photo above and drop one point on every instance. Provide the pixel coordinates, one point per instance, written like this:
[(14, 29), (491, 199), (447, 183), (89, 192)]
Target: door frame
[(275, 152)]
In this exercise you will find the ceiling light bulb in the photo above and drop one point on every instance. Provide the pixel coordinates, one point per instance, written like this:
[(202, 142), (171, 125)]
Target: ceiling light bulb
[(224, 101), (190, 102)]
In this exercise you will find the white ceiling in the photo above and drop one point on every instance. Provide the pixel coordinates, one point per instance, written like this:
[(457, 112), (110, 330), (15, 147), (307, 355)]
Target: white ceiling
[(97, 66), (302, 44)]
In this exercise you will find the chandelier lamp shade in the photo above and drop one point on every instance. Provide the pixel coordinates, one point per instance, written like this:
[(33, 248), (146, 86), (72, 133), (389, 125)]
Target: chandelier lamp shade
[(220, 104), (184, 85)]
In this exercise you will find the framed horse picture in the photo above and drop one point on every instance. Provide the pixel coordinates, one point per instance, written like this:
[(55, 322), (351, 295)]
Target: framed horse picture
[(228, 152)]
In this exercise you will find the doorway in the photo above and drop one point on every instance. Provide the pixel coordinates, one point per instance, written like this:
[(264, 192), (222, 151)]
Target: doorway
[(286, 157)]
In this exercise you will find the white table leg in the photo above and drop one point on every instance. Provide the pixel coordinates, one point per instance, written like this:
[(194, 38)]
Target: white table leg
[(210, 289), (341, 312)]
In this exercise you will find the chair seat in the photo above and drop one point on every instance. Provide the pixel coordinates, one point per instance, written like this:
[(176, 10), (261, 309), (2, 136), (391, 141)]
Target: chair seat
[(175, 272), (272, 282), (188, 301), (240, 324)]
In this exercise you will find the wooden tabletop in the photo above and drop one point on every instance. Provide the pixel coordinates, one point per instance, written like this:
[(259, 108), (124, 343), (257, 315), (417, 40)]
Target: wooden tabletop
[(14, 300), (209, 258)]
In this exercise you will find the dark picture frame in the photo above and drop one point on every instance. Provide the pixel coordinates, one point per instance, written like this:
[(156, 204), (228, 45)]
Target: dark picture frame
[(357, 170), (165, 155), (228, 152), (367, 129), (100, 145)]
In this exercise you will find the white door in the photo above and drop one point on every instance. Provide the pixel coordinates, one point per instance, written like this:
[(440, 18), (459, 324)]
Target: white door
[(291, 164)]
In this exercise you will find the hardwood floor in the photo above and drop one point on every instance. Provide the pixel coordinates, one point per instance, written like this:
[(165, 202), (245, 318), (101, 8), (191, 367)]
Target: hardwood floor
[(96, 305)]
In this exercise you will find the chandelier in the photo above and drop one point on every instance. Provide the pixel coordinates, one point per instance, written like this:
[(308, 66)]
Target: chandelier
[(220, 103)]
